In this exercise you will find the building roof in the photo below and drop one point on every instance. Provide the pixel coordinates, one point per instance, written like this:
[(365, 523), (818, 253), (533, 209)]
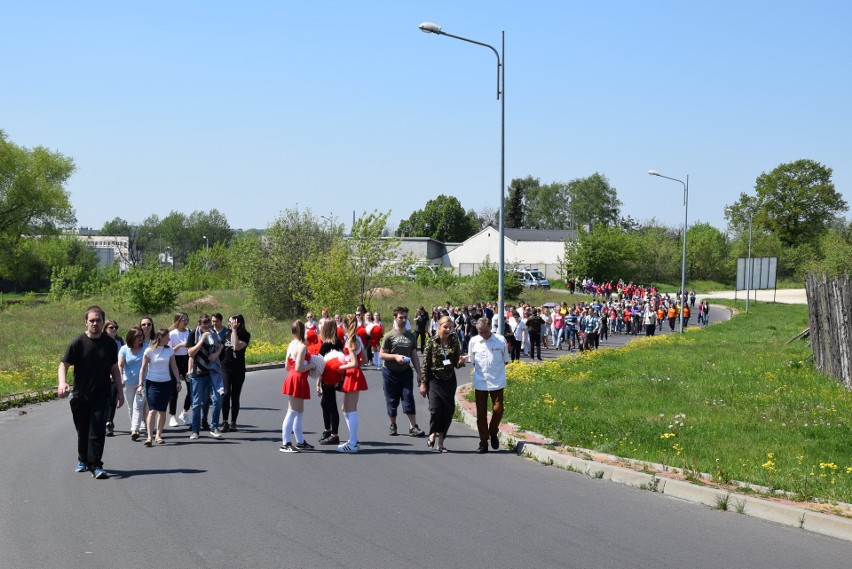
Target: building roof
[(551, 235)]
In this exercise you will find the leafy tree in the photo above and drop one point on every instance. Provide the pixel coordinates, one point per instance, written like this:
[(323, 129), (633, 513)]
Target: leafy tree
[(123, 228), (548, 207), (592, 200), (795, 201), (331, 282), (269, 266), (515, 207), (372, 255), (660, 253), (837, 259), (607, 252), (149, 290), (33, 199), (443, 219), (707, 250)]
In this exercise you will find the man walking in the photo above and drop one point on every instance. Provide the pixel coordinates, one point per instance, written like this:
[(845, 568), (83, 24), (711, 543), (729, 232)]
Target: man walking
[(399, 354), (94, 356), (204, 350), (489, 356)]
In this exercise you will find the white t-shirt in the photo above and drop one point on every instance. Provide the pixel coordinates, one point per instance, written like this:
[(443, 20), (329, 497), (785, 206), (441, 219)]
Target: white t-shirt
[(489, 358), (177, 337), (158, 363)]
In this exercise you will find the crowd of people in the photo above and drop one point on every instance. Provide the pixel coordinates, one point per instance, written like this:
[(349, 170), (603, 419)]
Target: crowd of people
[(149, 367)]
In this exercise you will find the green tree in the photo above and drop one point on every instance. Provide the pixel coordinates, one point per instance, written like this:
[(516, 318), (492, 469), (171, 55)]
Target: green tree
[(659, 253), (795, 201), (331, 282), (33, 199), (149, 290), (443, 219), (372, 256), (837, 255), (593, 200), (123, 228), (516, 205), (548, 207), (607, 252), (269, 266), (707, 252)]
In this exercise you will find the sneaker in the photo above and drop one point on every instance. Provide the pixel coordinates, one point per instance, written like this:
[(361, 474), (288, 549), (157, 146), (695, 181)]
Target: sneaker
[(392, 430), (193, 436), (233, 427), (330, 440), (184, 418), (99, 473), (304, 445), (495, 442), (225, 427), (288, 448), (415, 431), (173, 422), (110, 431), (221, 391), (347, 448), (324, 435), (134, 436), (214, 432), (483, 448), (81, 467)]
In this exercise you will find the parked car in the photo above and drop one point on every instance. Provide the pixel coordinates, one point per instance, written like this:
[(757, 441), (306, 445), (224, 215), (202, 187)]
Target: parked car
[(532, 278)]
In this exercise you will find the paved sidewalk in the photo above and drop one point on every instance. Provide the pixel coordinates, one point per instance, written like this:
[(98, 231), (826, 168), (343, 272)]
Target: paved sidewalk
[(783, 295)]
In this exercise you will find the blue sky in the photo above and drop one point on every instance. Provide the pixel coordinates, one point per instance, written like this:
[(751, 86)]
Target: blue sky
[(252, 107)]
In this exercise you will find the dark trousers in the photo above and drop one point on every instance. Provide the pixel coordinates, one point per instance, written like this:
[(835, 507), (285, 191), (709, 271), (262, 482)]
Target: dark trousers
[(399, 385), (328, 402), (182, 363), (442, 393), (485, 427), (90, 422), (535, 344), (232, 381), (515, 349), (650, 329), (421, 339)]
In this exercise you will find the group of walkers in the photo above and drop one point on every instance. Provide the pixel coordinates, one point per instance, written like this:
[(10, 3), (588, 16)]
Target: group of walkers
[(149, 368)]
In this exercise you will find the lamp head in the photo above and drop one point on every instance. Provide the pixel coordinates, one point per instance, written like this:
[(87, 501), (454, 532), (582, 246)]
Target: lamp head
[(430, 28), (653, 173)]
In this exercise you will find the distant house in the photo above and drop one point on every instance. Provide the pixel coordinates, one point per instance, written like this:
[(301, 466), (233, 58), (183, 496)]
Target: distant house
[(108, 248), (540, 248), (426, 250)]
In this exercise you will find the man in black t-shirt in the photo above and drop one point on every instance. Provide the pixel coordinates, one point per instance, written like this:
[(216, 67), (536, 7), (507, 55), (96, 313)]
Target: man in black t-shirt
[(94, 356)]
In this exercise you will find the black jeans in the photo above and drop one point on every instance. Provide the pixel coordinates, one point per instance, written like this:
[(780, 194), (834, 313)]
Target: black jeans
[(90, 421), (328, 402), (535, 344), (421, 339), (232, 381)]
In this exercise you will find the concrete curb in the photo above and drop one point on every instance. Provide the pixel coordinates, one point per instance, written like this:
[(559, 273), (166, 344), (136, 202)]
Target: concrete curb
[(824, 524)]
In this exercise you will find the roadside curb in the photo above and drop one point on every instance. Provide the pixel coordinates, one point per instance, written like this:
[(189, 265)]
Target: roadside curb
[(817, 522)]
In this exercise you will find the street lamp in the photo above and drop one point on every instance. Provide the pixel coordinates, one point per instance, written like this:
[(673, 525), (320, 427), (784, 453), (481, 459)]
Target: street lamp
[(683, 261), (430, 28), (207, 261)]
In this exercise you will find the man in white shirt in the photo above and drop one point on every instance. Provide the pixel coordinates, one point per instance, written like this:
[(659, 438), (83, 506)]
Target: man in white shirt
[(489, 356)]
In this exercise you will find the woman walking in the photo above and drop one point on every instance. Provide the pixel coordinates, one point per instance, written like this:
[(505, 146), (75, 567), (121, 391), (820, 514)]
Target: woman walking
[(130, 364), (178, 336), (157, 362), (328, 385), (234, 370), (440, 360), (296, 389), (353, 383)]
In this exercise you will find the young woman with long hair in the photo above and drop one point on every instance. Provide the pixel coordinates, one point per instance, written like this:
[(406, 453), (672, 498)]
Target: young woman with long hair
[(354, 382), (296, 388)]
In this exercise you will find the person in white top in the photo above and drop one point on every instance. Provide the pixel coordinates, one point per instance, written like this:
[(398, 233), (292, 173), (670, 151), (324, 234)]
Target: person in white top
[(158, 367), (489, 356)]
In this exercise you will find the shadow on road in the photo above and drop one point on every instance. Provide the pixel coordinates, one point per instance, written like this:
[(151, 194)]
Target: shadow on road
[(123, 474)]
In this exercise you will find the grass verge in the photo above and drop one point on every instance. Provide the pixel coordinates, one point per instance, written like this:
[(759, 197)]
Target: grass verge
[(732, 400)]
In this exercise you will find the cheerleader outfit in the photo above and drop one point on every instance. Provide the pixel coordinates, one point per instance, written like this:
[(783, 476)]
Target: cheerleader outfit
[(312, 339), (354, 379), (296, 383)]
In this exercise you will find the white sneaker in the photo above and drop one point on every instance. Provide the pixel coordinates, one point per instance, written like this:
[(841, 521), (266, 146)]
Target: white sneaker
[(193, 436), (221, 391), (173, 421), (348, 448), (184, 418), (215, 433)]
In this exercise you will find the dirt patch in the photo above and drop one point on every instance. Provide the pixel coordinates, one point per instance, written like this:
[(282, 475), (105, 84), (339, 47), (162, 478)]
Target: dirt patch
[(200, 304), (383, 292)]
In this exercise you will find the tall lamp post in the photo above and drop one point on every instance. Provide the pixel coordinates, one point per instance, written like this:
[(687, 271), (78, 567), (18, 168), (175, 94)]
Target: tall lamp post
[(430, 28), (685, 219), (207, 260)]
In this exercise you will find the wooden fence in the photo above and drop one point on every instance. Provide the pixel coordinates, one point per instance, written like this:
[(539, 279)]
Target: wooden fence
[(830, 322)]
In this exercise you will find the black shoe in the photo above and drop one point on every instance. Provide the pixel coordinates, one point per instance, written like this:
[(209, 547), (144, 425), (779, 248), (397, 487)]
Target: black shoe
[(304, 445), (495, 442), (483, 448), (392, 430), (416, 431), (225, 427), (233, 427), (330, 440), (110, 430)]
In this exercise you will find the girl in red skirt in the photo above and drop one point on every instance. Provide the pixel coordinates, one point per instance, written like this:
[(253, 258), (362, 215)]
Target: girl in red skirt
[(353, 383), (297, 388)]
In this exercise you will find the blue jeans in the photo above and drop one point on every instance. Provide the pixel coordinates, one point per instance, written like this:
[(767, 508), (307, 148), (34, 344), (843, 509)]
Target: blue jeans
[(200, 389)]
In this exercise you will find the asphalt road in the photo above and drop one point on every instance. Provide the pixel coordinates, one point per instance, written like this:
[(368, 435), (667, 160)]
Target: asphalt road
[(238, 503)]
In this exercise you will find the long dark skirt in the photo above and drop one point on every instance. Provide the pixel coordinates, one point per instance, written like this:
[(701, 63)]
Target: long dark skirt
[(442, 404)]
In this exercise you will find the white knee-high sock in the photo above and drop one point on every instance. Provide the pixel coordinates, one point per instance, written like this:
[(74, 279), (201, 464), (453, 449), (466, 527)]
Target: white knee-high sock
[(352, 423), (287, 426), (297, 428)]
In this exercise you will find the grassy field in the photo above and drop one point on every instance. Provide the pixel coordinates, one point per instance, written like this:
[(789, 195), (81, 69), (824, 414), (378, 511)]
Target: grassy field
[(732, 399)]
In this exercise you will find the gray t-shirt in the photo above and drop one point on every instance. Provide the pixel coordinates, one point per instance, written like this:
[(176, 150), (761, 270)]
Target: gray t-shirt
[(402, 343)]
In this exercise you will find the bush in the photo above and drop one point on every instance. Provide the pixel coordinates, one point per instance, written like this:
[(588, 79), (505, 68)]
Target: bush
[(149, 291)]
